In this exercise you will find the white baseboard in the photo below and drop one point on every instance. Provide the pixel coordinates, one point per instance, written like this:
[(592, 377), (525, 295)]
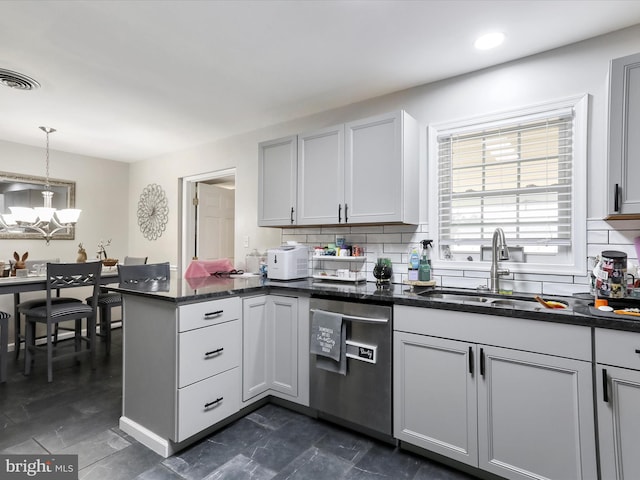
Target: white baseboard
[(160, 445)]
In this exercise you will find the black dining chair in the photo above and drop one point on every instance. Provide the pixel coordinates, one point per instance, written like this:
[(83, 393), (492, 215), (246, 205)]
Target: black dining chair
[(109, 300), (64, 276), (4, 344), (21, 306)]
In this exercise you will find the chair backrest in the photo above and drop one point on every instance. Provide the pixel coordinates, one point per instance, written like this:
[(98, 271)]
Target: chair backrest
[(135, 260), (71, 275), (137, 274)]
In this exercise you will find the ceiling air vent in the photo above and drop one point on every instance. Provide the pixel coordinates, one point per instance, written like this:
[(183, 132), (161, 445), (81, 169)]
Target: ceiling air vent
[(17, 80)]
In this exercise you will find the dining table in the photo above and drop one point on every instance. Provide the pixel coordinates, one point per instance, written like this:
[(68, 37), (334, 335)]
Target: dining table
[(33, 282)]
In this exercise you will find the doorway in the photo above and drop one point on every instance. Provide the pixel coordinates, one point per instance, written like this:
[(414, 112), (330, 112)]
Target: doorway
[(208, 216)]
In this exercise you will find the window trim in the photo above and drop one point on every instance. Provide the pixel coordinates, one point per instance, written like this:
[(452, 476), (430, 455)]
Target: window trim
[(577, 263)]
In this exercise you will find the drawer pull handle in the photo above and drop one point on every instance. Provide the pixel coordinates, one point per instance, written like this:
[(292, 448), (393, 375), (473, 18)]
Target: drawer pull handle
[(213, 352), (213, 314), (638, 350), (471, 360), (482, 365), (605, 386), (216, 401)]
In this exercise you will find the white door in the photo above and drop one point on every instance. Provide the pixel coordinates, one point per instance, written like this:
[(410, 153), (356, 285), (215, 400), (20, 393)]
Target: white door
[(277, 186), (435, 395), (255, 351), (373, 170), (321, 177), (283, 331), (535, 416), (215, 222), (618, 422)]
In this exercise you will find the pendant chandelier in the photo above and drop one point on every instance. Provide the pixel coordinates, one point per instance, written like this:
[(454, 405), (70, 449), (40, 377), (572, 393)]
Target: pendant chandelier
[(45, 220)]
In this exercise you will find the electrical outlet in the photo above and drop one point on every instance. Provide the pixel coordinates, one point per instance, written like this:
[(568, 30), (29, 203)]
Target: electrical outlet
[(246, 241)]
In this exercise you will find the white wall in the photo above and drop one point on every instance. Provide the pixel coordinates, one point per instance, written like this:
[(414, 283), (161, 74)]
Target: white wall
[(577, 69)]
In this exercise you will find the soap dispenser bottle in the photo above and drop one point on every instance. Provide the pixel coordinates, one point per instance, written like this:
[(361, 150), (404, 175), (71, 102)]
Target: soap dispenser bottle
[(414, 264), (424, 271)]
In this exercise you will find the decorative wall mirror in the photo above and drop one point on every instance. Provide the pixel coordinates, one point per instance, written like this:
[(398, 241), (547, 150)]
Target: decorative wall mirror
[(23, 190)]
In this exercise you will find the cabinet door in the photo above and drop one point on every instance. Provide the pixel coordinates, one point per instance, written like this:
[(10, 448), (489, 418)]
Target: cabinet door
[(321, 176), (381, 170), (535, 416), (255, 348), (624, 141), (277, 174), (618, 422), (283, 332), (435, 395)]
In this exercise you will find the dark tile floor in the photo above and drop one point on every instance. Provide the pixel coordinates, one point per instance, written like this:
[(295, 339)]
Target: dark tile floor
[(78, 414)]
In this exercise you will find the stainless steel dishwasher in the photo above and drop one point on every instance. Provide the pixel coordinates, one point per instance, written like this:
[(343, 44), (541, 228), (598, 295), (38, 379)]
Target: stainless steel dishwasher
[(362, 398)]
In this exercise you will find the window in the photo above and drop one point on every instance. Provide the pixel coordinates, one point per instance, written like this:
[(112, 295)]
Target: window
[(523, 171)]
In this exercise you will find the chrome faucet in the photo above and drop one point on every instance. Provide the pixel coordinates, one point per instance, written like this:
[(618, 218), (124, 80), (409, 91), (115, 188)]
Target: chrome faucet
[(499, 251)]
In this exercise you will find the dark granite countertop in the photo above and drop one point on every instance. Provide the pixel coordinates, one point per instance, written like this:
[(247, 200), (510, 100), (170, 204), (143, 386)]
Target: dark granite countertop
[(183, 292)]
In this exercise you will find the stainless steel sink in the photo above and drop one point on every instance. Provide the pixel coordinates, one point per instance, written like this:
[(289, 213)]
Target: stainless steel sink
[(521, 304), (456, 297), (489, 301)]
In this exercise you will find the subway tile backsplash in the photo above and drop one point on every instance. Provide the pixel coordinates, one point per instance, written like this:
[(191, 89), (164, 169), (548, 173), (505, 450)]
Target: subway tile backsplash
[(392, 241)]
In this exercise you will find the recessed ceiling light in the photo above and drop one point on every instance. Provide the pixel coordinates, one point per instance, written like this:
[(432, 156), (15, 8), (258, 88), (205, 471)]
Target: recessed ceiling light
[(489, 40)]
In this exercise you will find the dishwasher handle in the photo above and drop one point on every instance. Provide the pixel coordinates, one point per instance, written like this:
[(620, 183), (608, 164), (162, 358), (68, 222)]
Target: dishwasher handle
[(354, 318)]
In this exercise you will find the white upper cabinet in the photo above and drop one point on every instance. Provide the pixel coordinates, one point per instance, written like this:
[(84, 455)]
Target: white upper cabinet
[(277, 171), (624, 141), (320, 176), (360, 172), (381, 170)]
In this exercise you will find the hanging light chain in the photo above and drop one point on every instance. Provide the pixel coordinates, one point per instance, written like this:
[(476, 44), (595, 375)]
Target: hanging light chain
[(47, 130)]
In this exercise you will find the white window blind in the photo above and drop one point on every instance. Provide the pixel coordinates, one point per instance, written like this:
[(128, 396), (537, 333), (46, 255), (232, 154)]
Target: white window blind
[(513, 174)]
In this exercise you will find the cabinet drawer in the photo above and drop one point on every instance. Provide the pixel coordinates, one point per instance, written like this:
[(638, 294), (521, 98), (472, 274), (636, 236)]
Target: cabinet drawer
[(203, 314), (207, 402), (615, 347), (208, 351)]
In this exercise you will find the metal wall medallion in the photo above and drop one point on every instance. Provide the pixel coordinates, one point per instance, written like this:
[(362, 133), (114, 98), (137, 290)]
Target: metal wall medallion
[(153, 212)]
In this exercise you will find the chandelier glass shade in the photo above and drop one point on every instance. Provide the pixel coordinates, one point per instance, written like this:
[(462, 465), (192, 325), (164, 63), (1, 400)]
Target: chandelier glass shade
[(45, 220)]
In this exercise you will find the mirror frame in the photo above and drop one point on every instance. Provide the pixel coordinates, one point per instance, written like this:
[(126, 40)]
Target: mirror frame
[(6, 177)]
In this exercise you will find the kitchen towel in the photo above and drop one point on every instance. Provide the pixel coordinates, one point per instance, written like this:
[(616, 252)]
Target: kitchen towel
[(328, 341)]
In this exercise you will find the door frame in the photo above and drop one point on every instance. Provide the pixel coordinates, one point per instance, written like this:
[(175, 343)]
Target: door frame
[(187, 212)]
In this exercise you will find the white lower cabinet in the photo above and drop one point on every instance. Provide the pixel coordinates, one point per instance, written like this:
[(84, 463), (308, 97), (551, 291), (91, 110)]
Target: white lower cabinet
[(181, 368), (497, 393), (618, 398), (435, 396), (272, 352)]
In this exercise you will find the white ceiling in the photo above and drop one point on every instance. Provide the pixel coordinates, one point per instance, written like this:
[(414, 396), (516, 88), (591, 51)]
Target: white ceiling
[(130, 80)]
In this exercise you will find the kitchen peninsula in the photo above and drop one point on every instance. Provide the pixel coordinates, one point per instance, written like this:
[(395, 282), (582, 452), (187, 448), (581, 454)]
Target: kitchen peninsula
[(173, 394)]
